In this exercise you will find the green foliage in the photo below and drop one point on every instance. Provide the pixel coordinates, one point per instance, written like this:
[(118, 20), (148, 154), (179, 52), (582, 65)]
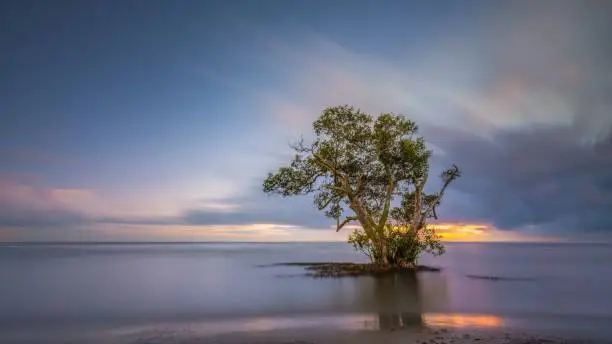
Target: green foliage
[(403, 245), (361, 164)]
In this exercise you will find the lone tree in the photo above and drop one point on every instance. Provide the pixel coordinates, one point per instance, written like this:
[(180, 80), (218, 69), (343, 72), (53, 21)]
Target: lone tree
[(371, 171)]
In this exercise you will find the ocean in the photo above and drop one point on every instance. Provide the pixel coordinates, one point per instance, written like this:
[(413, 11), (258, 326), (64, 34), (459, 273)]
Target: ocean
[(71, 291)]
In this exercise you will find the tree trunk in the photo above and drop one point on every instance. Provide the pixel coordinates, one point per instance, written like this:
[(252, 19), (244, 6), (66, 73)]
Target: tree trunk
[(363, 217), (384, 253)]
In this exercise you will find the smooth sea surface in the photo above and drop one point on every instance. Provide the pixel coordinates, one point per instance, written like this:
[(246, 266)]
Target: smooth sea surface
[(71, 290)]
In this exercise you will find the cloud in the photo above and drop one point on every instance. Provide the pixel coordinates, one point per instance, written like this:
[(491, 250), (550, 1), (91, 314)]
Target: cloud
[(252, 209), (260, 208), (517, 71), (523, 105), (544, 177), (33, 212), (27, 205), (40, 218)]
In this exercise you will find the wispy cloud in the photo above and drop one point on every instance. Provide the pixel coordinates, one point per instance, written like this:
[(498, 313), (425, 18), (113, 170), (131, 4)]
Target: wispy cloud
[(26, 205)]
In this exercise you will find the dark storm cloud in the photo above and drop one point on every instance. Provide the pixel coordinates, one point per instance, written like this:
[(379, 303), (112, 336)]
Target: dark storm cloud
[(535, 137), (541, 177)]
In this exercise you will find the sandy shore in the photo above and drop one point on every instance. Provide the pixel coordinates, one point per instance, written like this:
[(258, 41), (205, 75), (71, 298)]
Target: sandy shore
[(316, 335), (335, 336)]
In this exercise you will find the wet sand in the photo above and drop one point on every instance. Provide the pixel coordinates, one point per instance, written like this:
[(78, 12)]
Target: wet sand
[(338, 336), (354, 330), (312, 330)]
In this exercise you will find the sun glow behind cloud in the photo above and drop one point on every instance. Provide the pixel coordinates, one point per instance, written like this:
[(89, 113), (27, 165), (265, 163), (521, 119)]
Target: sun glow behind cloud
[(474, 232)]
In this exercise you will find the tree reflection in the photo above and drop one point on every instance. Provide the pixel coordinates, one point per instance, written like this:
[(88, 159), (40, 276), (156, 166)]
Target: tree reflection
[(398, 301)]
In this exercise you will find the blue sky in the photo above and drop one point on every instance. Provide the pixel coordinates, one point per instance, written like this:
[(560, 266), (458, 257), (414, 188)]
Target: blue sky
[(157, 120)]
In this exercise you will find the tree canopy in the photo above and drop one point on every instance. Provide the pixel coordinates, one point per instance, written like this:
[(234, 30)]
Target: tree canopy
[(371, 171)]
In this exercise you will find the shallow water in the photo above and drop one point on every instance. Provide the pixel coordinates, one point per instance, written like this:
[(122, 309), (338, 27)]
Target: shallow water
[(65, 290)]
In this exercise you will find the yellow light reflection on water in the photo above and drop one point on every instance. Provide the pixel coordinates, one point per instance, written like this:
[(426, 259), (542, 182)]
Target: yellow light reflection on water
[(462, 320)]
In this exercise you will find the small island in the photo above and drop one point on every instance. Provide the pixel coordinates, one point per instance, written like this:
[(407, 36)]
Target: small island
[(344, 269)]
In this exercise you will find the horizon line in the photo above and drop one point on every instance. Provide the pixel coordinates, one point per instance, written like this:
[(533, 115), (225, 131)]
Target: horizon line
[(5, 243)]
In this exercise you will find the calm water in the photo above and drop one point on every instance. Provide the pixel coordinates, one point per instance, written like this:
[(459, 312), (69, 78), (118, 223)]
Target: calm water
[(70, 289)]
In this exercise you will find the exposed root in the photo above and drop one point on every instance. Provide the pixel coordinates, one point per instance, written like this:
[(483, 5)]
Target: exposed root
[(335, 270)]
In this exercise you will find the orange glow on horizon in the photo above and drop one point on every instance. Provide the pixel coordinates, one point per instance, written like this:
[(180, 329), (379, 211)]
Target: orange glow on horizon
[(462, 231), (458, 231), (480, 232)]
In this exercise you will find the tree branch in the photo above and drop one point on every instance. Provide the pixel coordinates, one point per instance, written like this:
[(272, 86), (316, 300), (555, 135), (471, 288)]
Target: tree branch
[(300, 147), (359, 185), (335, 188), (327, 165), (311, 182), (326, 203), (416, 216), (385, 213), (347, 187), (362, 215), (448, 175), (346, 221)]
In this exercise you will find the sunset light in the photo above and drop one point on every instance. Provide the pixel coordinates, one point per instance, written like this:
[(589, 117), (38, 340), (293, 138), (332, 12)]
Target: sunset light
[(466, 232)]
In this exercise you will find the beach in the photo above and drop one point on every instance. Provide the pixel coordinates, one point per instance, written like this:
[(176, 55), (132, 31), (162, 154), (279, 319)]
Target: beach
[(322, 330), (328, 334), (390, 337)]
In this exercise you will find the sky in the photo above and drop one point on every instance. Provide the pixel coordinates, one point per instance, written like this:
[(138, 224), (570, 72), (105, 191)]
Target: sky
[(158, 120)]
